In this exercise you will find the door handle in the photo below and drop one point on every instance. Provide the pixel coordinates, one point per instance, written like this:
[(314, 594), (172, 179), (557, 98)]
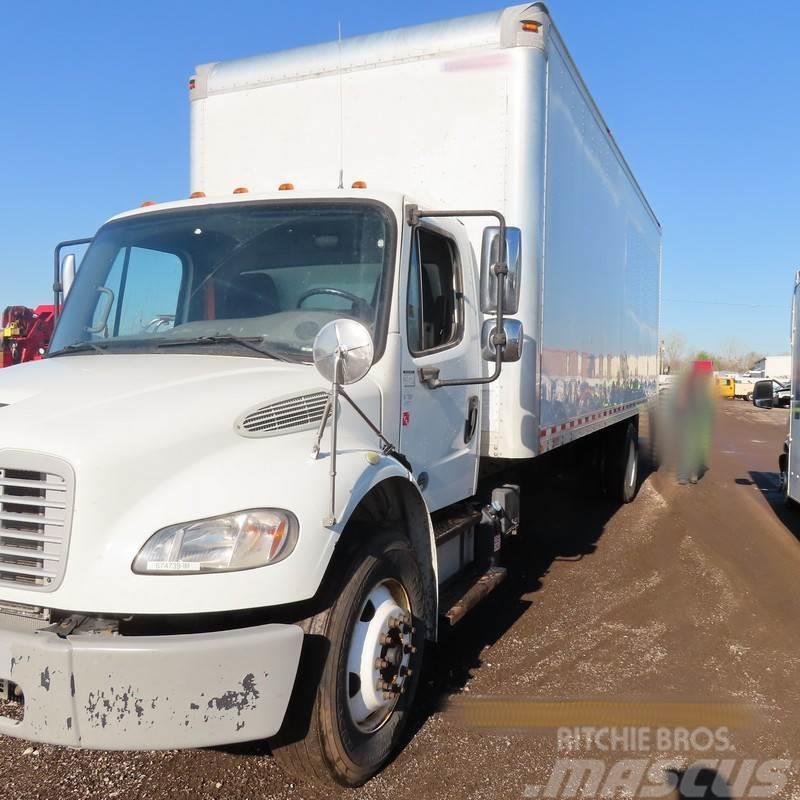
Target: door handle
[(471, 425)]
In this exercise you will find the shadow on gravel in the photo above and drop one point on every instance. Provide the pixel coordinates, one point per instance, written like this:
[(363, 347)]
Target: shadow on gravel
[(563, 520), (770, 485), (700, 783)]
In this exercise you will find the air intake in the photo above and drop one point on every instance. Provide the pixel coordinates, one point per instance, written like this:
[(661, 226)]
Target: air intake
[(292, 414), (36, 494)]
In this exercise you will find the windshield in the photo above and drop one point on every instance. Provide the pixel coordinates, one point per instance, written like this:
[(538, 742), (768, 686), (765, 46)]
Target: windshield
[(273, 273)]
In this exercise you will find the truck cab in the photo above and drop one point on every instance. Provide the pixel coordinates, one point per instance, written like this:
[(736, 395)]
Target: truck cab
[(179, 503)]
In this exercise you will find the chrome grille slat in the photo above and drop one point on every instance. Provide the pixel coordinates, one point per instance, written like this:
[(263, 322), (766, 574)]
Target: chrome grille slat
[(8, 533), (21, 552), (38, 502), (284, 416), (36, 498), (34, 572), (42, 486), (33, 519)]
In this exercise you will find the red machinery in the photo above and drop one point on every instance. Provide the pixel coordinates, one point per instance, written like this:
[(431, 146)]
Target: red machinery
[(25, 333)]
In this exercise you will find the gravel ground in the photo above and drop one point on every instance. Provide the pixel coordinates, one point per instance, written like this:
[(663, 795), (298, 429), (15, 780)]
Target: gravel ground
[(689, 593)]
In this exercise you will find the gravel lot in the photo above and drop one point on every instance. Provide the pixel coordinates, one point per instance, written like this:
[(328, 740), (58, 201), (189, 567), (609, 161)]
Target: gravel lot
[(689, 593)]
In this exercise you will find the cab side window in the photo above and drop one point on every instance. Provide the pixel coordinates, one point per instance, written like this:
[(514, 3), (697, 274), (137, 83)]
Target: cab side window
[(434, 300)]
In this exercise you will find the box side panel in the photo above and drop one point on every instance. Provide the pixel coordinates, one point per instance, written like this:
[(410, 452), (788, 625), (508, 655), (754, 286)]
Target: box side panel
[(602, 272)]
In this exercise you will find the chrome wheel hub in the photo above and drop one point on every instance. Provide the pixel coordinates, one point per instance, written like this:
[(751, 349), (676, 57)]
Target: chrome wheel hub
[(379, 655)]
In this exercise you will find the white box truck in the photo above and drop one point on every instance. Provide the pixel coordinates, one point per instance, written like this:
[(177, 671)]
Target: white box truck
[(293, 409), (771, 367), (771, 393)]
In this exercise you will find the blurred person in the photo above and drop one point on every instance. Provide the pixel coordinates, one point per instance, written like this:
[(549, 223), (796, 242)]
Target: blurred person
[(689, 419)]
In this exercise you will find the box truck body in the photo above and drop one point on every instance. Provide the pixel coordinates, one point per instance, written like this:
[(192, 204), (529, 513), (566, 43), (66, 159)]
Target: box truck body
[(207, 531), (470, 115)]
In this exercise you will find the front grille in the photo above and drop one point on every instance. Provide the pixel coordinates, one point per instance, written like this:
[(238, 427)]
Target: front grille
[(292, 414), (35, 517)]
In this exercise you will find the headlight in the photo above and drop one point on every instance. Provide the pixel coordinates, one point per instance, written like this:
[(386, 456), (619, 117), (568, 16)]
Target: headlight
[(222, 544)]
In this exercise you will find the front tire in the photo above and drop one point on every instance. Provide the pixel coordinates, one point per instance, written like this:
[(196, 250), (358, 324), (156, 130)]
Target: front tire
[(359, 674)]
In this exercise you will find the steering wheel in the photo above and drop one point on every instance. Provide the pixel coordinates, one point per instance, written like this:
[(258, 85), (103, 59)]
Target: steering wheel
[(357, 301), (360, 307)]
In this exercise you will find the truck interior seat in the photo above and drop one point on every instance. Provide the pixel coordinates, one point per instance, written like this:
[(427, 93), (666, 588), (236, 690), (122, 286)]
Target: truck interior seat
[(252, 294)]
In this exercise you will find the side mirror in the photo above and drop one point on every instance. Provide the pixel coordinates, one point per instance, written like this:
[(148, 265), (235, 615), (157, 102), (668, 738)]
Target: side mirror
[(343, 352), (763, 394), (490, 255), (67, 273), (512, 328)]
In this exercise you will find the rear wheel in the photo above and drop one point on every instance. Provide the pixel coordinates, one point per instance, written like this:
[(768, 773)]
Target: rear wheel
[(622, 462), (353, 694)]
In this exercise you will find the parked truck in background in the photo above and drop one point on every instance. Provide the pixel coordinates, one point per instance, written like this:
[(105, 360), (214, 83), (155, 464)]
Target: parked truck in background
[(779, 367), (25, 333), (205, 530), (769, 393)]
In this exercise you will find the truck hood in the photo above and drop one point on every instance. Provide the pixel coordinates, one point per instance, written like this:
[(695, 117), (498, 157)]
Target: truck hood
[(82, 394), (151, 441)]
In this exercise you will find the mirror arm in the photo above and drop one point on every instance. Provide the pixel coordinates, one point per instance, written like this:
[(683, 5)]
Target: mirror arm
[(415, 214)]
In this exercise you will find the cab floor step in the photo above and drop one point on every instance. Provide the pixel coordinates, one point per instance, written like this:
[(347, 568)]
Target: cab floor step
[(454, 522), (464, 595)]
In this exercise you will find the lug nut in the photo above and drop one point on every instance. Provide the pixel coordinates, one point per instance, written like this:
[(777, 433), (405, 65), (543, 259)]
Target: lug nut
[(385, 640), (395, 622), (409, 648), (381, 663)]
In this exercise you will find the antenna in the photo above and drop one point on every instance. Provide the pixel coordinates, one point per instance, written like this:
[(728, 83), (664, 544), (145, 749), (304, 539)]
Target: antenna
[(341, 113)]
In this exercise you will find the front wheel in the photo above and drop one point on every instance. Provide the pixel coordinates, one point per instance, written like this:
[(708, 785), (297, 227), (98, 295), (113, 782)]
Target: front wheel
[(353, 694)]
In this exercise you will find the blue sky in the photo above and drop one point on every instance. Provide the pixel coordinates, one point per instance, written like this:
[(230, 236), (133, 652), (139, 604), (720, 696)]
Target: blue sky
[(703, 98)]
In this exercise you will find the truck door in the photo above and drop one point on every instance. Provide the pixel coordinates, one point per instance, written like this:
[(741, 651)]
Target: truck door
[(440, 428), (793, 468)]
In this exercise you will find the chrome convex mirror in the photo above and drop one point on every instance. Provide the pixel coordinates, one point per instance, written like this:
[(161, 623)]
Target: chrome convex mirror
[(512, 336), (343, 351)]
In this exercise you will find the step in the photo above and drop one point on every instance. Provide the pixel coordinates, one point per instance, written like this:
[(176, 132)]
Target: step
[(454, 523), (463, 596)]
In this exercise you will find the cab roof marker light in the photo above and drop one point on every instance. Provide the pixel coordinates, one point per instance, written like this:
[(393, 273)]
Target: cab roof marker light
[(359, 185), (286, 187), (241, 190), (530, 25), (147, 203), (196, 195)]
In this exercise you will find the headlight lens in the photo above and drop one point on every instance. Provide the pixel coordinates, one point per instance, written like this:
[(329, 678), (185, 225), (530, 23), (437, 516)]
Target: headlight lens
[(244, 540)]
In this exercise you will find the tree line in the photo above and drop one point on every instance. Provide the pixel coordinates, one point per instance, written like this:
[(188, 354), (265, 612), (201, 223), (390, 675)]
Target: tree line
[(675, 355)]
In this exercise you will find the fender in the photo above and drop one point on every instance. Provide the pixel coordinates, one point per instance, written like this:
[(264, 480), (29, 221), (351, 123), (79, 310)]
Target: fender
[(356, 478)]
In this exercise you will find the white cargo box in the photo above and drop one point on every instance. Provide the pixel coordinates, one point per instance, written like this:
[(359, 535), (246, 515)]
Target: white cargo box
[(486, 111)]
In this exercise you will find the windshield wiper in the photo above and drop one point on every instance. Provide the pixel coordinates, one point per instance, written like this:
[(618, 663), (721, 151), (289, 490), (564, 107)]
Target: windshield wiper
[(79, 347), (226, 338)]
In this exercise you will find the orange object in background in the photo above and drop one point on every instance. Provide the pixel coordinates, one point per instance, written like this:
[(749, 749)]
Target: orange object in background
[(25, 333)]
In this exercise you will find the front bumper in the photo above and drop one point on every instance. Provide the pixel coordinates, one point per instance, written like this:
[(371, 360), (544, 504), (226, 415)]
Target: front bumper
[(103, 692)]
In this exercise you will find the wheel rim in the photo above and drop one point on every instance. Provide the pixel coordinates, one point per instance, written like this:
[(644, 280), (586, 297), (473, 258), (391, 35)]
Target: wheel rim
[(378, 657), (631, 471)]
